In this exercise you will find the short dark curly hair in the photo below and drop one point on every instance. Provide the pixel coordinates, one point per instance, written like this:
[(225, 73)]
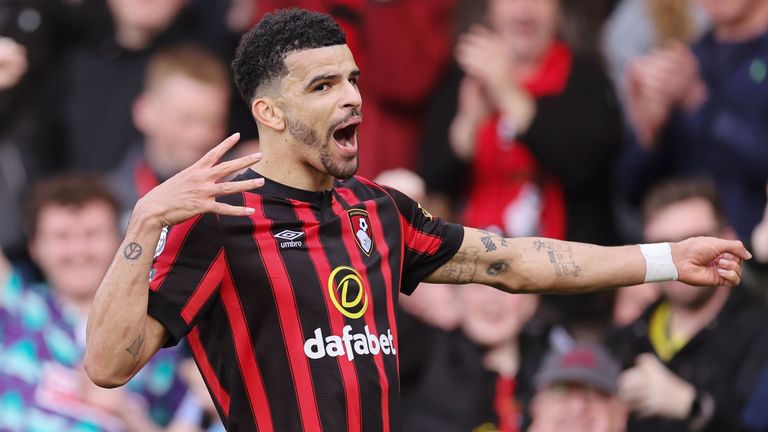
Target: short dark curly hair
[(260, 57), (72, 190)]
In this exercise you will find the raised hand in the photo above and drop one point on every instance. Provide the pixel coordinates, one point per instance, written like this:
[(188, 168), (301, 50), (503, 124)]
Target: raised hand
[(651, 389), (194, 190), (482, 55), (13, 62), (708, 261)]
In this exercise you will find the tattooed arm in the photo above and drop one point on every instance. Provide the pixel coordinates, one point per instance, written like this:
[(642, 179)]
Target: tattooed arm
[(542, 265), (121, 336)]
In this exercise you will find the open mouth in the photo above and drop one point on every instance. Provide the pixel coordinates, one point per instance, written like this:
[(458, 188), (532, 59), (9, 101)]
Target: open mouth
[(346, 136)]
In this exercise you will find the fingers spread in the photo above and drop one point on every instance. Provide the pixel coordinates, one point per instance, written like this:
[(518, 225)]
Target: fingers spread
[(225, 169), (230, 210), (227, 188)]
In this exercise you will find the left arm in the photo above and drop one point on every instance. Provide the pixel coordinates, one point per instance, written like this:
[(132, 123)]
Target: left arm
[(541, 265)]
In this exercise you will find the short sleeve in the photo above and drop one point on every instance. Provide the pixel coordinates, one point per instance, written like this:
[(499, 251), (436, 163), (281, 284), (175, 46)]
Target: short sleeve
[(430, 242), (188, 269)]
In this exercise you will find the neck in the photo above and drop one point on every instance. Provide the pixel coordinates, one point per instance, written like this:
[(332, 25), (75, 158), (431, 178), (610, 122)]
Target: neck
[(750, 26), (155, 158), (133, 38), (528, 66), (81, 305), (503, 359), (279, 163), (690, 321)]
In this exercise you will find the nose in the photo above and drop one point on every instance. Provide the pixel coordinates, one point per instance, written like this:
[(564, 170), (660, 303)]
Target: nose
[(351, 97)]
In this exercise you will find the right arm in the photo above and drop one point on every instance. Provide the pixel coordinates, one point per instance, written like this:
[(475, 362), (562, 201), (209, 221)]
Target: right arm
[(121, 336)]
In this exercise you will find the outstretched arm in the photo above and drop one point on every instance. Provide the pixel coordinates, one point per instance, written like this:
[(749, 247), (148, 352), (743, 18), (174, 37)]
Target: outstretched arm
[(541, 265), (121, 336)]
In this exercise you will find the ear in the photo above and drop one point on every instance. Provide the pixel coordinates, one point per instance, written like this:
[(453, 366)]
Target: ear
[(267, 113), (141, 112)]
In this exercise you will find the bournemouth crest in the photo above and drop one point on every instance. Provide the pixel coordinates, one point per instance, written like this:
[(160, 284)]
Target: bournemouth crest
[(361, 226)]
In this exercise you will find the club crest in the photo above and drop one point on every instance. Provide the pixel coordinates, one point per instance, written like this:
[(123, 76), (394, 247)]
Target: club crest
[(361, 226)]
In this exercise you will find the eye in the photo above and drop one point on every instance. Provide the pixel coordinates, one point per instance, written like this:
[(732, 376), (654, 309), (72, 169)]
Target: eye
[(322, 87), (354, 81)]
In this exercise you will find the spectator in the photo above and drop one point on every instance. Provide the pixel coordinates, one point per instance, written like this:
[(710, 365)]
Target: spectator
[(538, 127), (182, 113), (694, 355), (33, 34), (577, 391), (111, 70), (637, 26), (631, 302), (73, 234), (479, 375), (700, 111)]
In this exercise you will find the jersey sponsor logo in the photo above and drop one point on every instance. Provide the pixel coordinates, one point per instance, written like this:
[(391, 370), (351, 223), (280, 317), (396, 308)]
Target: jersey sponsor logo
[(349, 344), (361, 226), (345, 286), (290, 239)]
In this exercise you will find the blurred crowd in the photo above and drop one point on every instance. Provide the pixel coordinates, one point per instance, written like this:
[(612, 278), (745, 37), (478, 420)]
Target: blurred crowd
[(600, 121)]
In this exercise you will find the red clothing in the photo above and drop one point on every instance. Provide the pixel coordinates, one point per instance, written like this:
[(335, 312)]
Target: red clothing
[(291, 313), (408, 45), (510, 191), (144, 178), (506, 405)]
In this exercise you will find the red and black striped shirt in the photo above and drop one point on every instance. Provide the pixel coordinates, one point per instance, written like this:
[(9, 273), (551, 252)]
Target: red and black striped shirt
[(291, 313)]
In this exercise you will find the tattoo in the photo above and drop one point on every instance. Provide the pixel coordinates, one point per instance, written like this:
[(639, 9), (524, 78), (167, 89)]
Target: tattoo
[(488, 243), (132, 251), (136, 346), (462, 267), (560, 256), (490, 239), (497, 267)]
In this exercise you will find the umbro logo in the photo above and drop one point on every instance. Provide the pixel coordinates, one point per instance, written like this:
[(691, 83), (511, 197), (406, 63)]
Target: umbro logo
[(290, 239)]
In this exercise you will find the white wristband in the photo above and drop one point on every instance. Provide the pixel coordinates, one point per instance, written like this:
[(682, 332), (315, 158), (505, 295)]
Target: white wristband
[(659, 266)]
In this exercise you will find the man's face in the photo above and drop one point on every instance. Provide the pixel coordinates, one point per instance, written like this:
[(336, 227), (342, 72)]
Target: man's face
[(148, 15), (182, 119), (690, 218), (322, 105), (74, 246), (576, 408), (728, 12), (492, 317), (528, 27)]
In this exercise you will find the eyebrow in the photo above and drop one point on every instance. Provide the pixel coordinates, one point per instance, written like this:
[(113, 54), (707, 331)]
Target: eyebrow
[(330, 77)]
